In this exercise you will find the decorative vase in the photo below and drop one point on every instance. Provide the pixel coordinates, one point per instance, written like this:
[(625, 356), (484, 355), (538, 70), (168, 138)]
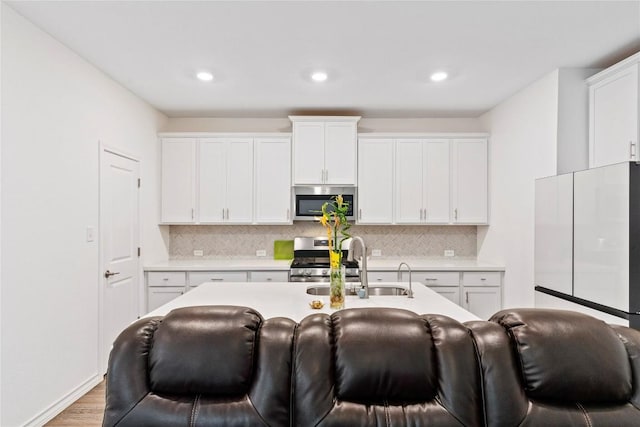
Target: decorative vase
[(336, 281)]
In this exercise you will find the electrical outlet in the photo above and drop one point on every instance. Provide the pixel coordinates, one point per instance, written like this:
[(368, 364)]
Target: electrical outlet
[(376, 252), (91, 234), (261, 252), (449, 252), (198, 252)]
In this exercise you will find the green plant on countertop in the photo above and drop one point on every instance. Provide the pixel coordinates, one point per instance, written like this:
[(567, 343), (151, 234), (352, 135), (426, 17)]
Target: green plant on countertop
[(334, 219)]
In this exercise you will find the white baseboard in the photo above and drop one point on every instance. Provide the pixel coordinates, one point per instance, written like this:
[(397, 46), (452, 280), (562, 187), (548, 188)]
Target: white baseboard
[(62, 404)]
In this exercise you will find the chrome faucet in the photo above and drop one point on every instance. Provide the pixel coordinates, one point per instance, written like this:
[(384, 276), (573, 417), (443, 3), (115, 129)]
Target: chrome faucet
[(399, 267), (363, 263)]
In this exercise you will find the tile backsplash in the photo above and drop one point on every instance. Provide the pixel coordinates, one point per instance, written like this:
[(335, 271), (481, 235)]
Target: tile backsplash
[(236, 241)]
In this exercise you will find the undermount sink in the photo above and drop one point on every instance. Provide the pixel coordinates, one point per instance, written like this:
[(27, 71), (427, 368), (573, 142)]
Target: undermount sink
[(373, 291)]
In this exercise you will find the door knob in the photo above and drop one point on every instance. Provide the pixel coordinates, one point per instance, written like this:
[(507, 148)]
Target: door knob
[(108, 274)]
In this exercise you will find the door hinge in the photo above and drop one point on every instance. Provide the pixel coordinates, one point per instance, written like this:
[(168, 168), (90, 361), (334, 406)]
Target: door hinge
[(138, 252), (138, 182)]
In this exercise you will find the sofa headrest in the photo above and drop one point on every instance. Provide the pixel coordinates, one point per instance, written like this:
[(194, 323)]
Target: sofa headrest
[(567, 356), (191, 344), (383, 355)]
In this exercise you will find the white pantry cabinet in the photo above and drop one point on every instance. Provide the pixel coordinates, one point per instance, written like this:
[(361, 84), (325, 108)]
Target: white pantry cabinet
[(225, 190), (422, 181), (614, 108), (470, 181), (272, 180), (375, 181), (178, 180), (324, 150)]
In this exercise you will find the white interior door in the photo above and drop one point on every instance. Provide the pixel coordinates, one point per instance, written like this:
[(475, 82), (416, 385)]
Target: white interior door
[(119, 239)]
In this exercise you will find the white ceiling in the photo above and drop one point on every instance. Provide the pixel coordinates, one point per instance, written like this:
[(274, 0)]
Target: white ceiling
[(379, 54)]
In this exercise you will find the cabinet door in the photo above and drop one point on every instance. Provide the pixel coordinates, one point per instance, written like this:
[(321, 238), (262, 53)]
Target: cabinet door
[(308, 153), (239, 180), (375, 181), (157, 297), (601, 235), (437, 190), (470, 181), (178, 180), (340, 153), (452, 293), (614, 118), (409, 181), (212, 181), (482, 301), (269, 276), (273, 181), (553, 254)]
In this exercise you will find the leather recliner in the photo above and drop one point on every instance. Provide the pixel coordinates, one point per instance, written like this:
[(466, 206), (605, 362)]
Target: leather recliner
[(226, 366)]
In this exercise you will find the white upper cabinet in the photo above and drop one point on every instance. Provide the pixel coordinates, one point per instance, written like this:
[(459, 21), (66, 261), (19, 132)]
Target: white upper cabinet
[(375, 181), (470, 183), (422, 181), (178, 180), (273, 180), (614, 124), (324, 150), (211, 179), (226, 180)]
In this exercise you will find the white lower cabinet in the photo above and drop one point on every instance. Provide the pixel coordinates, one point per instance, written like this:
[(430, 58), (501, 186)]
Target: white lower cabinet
[(452, 293), (268, 276), (197, 278), (157, 296), (482, 292)]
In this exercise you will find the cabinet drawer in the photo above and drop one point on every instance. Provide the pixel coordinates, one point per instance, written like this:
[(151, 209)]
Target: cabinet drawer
[(383, 276), (166, 278), (198, 277), (481, 278), (269, 276), (433, 278)]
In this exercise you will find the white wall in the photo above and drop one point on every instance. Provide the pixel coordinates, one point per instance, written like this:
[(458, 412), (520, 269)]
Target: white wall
[(55, 109), (522, 148), (181, 124), (573, 119)]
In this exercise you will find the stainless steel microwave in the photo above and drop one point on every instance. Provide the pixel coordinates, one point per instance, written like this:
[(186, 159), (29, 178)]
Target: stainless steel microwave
[(308, 201)]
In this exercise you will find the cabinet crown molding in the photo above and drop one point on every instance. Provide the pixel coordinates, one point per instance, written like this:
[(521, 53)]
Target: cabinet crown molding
[(324, 118), (224, 134), (627, 62), (424, 135)]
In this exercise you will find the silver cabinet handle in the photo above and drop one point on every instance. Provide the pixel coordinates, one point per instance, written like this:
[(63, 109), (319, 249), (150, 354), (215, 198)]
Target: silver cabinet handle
[(216, 279), (326, 176), (632, 150), (288, 214), (466, 297), (455, 214), (269, 279), (223, 214), (108, 274), (425, 214), (193, 213), (359, 213), (322, 176)]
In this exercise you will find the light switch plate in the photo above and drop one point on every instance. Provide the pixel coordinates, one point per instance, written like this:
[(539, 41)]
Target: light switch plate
[(261, 252), (376, 252), (91, 234), (198, 252), (449, 252)]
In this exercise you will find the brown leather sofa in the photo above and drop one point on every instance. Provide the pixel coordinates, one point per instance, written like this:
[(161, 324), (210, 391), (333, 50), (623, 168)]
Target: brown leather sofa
[(226, 366)]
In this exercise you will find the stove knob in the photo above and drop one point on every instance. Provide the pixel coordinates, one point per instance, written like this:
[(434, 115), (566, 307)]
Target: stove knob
[(307, 272), (325, 272)]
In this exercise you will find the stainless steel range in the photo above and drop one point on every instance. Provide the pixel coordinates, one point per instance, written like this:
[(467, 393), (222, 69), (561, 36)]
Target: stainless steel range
[(311, 261)]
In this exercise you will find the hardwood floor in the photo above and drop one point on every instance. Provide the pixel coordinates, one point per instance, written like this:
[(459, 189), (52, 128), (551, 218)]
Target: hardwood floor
[(86, 411)]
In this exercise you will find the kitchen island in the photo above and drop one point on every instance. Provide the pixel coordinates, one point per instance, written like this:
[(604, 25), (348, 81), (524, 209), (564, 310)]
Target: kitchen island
[(286, 299)]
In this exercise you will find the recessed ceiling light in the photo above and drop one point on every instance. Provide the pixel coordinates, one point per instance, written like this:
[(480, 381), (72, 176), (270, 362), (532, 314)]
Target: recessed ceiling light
[(205, 76), (319, 76), (439, 76)]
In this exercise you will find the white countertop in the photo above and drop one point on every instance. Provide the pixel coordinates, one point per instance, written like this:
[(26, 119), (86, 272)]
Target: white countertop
[(373, 264), (291, 300)]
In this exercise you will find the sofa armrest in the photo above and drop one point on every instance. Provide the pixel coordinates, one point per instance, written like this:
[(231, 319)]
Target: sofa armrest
[(127, 380)]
